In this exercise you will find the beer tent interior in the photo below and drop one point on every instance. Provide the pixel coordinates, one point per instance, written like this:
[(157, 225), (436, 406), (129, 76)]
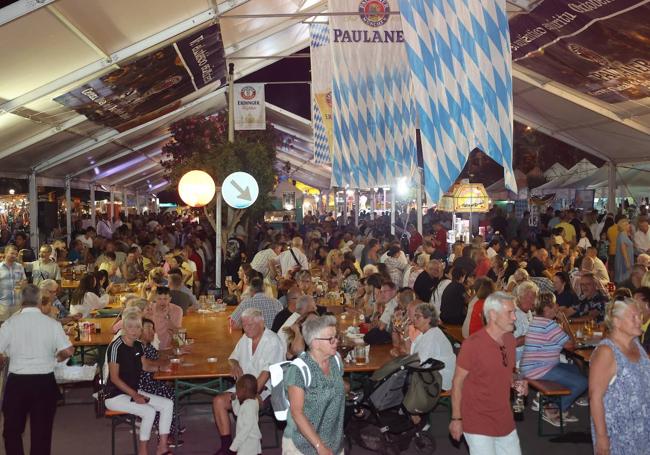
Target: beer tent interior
[(52, 46)]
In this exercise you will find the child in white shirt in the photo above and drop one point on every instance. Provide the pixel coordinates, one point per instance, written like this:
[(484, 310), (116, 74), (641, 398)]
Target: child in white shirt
[(246, 407)]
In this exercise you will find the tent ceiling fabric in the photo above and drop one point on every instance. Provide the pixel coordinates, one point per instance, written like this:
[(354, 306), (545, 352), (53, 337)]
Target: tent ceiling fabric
[(89, 31), (91, 36)]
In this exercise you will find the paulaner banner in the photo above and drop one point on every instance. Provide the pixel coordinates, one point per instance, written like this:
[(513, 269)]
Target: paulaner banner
[(321, 87), (153, 85), (373, 109), (598, 47), (250, 108), (459, 55)]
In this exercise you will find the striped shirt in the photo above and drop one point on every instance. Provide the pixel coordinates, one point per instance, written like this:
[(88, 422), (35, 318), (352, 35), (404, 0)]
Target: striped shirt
[(544, 342)]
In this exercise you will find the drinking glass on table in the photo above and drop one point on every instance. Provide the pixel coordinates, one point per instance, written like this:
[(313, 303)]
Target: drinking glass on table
[(519, 385)]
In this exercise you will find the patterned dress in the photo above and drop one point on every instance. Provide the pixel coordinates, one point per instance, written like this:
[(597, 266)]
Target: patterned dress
[(160, 388), (627, 404)]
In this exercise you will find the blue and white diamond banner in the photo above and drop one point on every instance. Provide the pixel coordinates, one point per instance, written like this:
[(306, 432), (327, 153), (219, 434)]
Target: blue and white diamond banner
[(373, 109), (321, 85), (459, 54)]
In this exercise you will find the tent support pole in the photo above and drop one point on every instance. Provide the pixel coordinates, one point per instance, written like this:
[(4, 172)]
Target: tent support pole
[(68, 211), (611, 187), (392, 209), (33, 212), (356, 207), (345, 208), (373, 204), (418, 201), (217, 256), (93, 215)]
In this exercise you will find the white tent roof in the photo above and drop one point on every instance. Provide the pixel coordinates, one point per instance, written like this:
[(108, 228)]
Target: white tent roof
[(48, 47), (91, 37), (556, 170), (499, 191), (580, 170)]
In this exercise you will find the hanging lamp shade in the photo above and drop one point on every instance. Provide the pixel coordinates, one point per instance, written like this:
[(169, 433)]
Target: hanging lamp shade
[(196, 188)]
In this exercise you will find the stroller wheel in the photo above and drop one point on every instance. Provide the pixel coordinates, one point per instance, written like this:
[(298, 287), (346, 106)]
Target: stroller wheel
[(425, 443)]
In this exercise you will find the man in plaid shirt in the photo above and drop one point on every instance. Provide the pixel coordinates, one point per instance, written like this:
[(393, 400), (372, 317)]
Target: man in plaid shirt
[(268, 306), (12, 277)]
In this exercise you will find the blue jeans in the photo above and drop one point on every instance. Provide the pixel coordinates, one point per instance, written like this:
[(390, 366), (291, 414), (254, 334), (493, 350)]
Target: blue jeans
[(570, 377)]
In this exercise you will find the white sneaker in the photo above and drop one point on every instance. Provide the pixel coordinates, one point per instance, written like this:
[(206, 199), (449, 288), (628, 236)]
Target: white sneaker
[(582, 401), (569, 418), (535, 404)]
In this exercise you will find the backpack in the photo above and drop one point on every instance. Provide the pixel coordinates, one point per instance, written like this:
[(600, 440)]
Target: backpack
[(279, 394)]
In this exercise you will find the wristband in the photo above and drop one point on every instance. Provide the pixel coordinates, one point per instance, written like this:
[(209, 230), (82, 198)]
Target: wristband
[(456, 418)]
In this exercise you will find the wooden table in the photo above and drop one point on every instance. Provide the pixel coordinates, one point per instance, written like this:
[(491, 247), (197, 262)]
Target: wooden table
[(213, 339)]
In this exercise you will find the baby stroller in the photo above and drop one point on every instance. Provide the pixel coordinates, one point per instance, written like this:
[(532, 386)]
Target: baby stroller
[(379, 417)]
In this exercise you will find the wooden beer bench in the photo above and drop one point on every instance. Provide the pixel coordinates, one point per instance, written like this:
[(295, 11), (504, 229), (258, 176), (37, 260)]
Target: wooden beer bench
[(549, 392)]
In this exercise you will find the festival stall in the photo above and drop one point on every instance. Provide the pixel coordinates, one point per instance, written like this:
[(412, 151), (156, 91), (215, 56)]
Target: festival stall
[(464, 198)]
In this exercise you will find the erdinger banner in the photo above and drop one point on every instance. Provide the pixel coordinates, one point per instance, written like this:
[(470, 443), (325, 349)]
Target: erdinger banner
[(153, 85), (598, 47), (321, 87), (250, 109), (459, 55), (373, 110)]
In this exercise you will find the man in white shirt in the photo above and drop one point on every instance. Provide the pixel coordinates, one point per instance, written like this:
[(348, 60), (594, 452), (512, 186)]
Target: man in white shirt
[(494, 248), (264, 260), (388, 294), (293, 258), (87, 238), (526, 294), (45, 268), (34, 342), (642, 236), (599, 269), (255, 352), (104, 227)]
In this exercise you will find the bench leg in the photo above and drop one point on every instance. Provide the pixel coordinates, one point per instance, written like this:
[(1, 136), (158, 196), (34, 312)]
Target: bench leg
[(135, 436), (113, 436), (543, 399)]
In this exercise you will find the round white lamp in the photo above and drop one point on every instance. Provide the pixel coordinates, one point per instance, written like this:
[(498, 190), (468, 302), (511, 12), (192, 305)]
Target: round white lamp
[(196, 188)]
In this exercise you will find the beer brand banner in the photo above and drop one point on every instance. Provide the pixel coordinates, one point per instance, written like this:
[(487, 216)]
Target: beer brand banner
[(373, 109), (151, 85), (459, 56), (598, 47), (250, 107), (321, 85)]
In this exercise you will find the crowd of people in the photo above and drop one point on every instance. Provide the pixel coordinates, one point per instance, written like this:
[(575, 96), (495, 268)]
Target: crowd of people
[(515, 294)]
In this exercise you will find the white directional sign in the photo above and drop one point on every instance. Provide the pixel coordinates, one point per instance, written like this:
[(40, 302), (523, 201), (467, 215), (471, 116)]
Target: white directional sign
[(240, 190)]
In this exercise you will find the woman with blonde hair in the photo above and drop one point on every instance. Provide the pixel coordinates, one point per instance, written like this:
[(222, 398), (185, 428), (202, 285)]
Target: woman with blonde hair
[(619, 384)]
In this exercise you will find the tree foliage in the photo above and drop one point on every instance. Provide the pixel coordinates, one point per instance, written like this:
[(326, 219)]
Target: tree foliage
[(202, 143)]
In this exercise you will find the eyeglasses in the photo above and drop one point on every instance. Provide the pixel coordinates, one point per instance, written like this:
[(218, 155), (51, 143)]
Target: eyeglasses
[(504, 355), (332, 340)]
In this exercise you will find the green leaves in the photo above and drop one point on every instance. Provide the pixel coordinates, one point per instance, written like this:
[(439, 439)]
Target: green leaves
[(202, 143)]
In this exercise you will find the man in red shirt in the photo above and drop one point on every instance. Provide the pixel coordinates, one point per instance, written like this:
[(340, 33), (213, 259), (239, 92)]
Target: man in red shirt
[(439, 241), (415, 239), (480, 394)]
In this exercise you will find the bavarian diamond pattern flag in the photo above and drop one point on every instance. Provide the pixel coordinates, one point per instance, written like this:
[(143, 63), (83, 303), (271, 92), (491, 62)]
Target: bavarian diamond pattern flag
[(459, 54), (373, 108), (321, 85)]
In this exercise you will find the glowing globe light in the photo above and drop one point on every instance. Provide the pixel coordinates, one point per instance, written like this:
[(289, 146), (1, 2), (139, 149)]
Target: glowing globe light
[(196, 188)]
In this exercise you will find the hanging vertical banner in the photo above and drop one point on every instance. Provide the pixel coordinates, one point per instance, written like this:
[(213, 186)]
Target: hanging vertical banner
[(250, 109), (459, 55), (321, 85), (373, 109)]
